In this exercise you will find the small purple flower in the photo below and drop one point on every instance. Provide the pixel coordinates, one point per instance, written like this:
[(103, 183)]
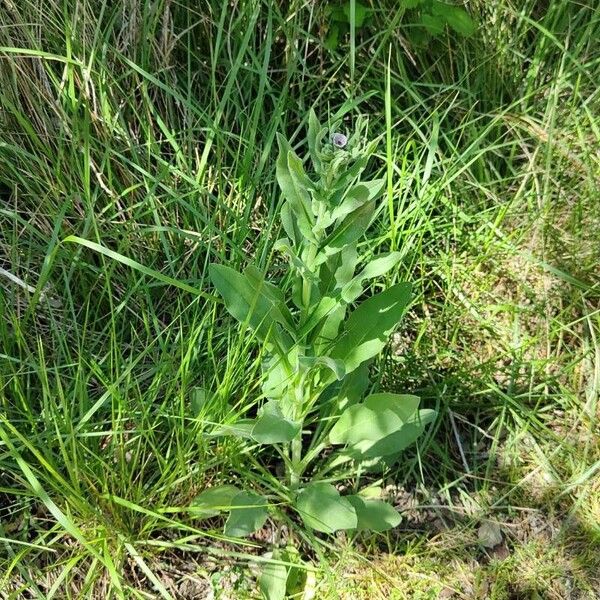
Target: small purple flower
[(339, 140)]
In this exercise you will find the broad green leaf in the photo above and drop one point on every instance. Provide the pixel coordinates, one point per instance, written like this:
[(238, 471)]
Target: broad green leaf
[(335, 366), (336, 13), (299, 584), (458, 18), (357, 196), (272, 427), (375, 268), (273, 579), (329, 330), (251, 300), (288, 221), (273, 294), (352, 228), (433, 24), (242, 429), (276, 377), (359, 424), (461, 21), (411, 3), (333, 37), (361, 12), (323, 509), (405, 406), (314, 137), (385, 424), (248, 514), (369, 326), (348, 259), (353, 387), (397, 441), (377, 464), (374, 515), (371, 492), (294, 186), (337, 270), (424, 417), (213, 501), (394, 443), (335, 273), (324, 308), (302, 181), (326, 272), (439, 8)]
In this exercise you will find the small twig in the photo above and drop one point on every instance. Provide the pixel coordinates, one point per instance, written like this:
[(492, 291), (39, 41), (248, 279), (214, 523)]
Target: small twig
[(457, 437), (18, 281)]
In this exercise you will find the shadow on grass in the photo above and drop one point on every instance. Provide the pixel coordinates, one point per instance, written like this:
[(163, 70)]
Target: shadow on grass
[(478, 493)]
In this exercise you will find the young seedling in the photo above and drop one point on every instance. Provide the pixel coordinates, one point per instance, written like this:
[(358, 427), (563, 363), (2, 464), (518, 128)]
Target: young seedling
[(318, 345)]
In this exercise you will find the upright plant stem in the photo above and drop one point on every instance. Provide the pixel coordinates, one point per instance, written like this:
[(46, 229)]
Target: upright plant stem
[(296, 459), (296, 444), (297, 441)]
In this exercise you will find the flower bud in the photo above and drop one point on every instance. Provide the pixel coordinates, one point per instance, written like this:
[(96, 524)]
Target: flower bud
[(339, 140)]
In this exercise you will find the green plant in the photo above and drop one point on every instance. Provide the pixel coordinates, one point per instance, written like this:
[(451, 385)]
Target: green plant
[(427, 19), (147, 129), (317, 356), (340, 20), (435, 15)]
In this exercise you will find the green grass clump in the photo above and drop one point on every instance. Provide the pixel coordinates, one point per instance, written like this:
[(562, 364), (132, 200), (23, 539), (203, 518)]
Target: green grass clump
[(148, 130)]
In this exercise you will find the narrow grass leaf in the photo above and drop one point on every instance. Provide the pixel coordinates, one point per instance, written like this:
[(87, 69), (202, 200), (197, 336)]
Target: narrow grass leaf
[(138, 266)]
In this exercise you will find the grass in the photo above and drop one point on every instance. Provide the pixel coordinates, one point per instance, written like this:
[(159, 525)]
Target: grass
[(149, 129)]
